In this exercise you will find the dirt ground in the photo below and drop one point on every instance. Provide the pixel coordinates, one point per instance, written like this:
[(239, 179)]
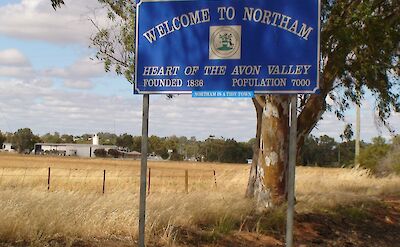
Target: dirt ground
[(373, 224)]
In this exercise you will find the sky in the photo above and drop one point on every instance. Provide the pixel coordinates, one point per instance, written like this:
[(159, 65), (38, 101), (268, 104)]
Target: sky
[(49, 82)]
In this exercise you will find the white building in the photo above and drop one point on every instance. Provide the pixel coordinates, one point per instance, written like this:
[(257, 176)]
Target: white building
[(8, 147), (96, 140), (71, 149)]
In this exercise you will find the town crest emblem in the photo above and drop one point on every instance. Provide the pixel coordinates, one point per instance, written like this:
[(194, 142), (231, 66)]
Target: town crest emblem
[(225, 42)]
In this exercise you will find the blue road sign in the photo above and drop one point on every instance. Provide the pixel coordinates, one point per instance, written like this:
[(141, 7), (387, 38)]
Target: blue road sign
[(219, 45)]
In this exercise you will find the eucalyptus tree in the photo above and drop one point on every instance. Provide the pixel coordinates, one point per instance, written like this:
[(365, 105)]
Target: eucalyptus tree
[(359, 52), (2, 140), (24, 140)]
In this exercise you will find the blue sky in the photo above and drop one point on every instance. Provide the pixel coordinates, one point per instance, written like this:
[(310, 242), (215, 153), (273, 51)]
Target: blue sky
[(49, 83)]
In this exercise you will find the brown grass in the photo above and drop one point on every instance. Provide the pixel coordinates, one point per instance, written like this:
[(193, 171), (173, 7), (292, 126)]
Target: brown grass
[(76, 209)]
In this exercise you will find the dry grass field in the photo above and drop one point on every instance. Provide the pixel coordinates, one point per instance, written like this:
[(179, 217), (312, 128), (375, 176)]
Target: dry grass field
[(74, 212)]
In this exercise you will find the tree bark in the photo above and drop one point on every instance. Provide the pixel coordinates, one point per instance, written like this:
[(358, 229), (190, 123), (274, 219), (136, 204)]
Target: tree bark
[(316, 104), (267, 181)]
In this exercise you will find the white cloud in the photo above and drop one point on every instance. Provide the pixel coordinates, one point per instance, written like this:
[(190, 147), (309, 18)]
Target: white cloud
[(13, 63), (41, 82), (333, 127), (82, 68), (52, 109), (36, 19), (183, 115), (13, 57), (46, 109), (78, 84), (16, 72)]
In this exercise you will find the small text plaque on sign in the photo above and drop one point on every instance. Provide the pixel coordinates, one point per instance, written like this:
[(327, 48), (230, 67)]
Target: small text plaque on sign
[(227, 46)]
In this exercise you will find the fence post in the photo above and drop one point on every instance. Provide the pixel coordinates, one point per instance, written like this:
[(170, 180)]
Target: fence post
[(48, 180), (187, 181), (104, 181), (215, 179), (149, 182)]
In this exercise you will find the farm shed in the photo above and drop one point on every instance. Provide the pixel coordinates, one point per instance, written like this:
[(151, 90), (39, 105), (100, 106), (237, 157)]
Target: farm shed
[(70, 149)]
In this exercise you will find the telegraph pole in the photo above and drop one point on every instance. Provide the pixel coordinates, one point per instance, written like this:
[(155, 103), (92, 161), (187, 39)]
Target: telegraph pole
[(357, 152)]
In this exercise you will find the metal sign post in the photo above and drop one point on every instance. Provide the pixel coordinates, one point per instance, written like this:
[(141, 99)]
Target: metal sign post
[(143, 170), (292, 169)]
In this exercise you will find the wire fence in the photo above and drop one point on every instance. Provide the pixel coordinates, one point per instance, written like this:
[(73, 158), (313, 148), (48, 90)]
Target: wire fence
[(159, 179)]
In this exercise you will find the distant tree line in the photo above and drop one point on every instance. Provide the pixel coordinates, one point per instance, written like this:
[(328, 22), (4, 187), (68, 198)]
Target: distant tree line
[(380, 156), (23, 140), (174, 148), (325, 151)]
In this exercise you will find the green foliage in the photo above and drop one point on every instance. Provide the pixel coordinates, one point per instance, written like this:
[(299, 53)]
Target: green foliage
[(391, 163), (164, 154), (107, 138), (325, 151), (125, 141), (156, 145), (372, 155), (321, 151), (137, 143), (57, 3), (347, 152), (273, 221), (2, 139), (57, 138), (49, 138), (67, 139), (360, 41), (234, 152), (226, 150), (114, 153), (24, 140), (175, 156), (225, 224), (396, 140), (84, 139), (347, 133), (101, 153), (356, 214)]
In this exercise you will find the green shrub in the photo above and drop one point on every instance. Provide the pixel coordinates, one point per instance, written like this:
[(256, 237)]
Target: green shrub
[(101, 152), (175, 156), (391, 163), (382, 158), (225, 224), (164, 153), (371, 156), (114, 153)]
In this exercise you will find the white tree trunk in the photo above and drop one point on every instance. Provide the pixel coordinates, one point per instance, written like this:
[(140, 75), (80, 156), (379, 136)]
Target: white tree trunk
[(267, 181)]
